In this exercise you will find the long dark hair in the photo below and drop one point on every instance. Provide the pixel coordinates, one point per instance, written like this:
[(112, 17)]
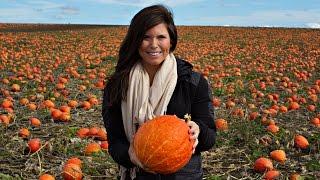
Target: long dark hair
[(128, 54)]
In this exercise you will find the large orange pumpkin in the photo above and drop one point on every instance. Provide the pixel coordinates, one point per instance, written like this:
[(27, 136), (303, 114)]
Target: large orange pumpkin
[(162, 144)]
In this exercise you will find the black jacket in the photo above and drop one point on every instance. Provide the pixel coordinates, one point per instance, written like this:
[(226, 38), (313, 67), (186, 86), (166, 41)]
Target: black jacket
[(192, 95)]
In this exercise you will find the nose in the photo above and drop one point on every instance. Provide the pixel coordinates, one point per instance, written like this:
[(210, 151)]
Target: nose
[(154, 43)]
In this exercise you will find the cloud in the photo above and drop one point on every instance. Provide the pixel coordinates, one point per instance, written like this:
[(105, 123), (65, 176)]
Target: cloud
[(143, 3), (43, 5), (69, 10), (39, 11), (313, 25)]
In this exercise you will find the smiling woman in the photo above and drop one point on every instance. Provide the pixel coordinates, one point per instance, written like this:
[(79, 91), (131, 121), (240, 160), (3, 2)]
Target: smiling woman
[(149, 81)]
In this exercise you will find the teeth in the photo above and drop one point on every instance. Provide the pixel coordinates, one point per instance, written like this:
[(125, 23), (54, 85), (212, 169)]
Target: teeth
[(154, 53)]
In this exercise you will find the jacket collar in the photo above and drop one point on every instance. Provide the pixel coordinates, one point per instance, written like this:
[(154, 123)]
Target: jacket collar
[(184, 69)]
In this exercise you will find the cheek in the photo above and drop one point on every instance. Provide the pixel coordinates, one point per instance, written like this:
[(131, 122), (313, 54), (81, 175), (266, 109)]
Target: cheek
[(143, 45), (166, 46)]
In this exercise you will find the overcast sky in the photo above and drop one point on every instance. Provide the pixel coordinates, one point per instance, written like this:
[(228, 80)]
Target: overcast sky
[(273, 13)]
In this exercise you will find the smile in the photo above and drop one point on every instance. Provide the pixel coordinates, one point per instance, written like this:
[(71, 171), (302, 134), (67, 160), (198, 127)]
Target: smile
[(154, 53)]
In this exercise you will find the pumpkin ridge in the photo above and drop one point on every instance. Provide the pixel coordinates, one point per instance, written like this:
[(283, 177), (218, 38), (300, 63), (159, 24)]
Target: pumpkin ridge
[(153, 132), (183, 145), (155, 151), (151, 135), (181, 149), (169, 159)]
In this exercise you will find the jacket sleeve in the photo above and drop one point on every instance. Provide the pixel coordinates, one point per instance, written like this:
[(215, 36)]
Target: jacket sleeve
[(118, 143), (203, 114)]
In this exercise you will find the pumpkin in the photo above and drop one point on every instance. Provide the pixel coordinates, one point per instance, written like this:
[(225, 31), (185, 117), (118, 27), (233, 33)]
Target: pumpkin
[(101, 134), (262, 164), (46, 177), (24, 132), (294, 176), (253, 115), (301, 142), (15, 87), (283, 109), (35, 121), (65, 108), (221, 124), (93, 131), (24, 101), (85, 105), (273, 128), (74, 160), (163, 144), (56, 114), (72, 103), (65, 116), (7, 103), (4, 119), (294, 106), (48, 104), (34, 145), (270, 175), (83, 132), (72, 172), (104, 145), (32, 106), (92, 148), (278, 155), (316, 122), (216, 102)]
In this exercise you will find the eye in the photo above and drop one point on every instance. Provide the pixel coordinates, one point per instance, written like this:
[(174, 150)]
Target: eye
[(162, 37), (146, 37)]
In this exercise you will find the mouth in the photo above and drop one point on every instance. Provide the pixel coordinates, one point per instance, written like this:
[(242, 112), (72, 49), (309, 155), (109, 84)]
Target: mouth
[(154, 53)]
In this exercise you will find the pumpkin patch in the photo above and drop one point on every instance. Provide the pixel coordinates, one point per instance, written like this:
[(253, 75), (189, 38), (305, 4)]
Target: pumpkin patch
[(265, 86)]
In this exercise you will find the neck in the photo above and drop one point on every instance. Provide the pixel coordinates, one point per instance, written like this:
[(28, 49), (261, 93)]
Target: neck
[(152, 72)]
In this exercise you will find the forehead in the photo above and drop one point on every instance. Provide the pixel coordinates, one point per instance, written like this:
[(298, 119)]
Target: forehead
[(158, 29)]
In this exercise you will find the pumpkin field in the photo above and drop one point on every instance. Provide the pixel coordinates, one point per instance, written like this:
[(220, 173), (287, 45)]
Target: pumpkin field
[(266, 96)]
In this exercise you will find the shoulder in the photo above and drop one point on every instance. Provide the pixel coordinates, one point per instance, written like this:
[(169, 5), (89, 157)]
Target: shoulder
[(184, 70), (183, 63), (186, 73), (195, 78)]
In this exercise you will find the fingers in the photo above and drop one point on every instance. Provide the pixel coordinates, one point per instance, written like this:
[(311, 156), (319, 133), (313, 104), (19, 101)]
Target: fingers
[(194, 130), (195, 145), (133, 157), (148, 170)]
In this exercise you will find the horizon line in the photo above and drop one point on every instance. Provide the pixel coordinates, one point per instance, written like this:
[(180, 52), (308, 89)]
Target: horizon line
[(89, 24)]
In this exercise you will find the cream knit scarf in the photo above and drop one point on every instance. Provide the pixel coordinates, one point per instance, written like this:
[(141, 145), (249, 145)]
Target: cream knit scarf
[(144, 102)]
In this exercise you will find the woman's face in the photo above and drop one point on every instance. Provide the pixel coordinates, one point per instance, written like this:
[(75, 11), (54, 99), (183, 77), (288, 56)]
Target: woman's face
[(155, 46)]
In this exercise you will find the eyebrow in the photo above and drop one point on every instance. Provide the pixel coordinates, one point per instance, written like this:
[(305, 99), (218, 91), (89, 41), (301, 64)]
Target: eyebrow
[(159, 35)]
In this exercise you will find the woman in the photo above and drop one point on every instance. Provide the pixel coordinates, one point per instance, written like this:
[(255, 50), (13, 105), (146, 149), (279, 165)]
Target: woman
[(149, 81)]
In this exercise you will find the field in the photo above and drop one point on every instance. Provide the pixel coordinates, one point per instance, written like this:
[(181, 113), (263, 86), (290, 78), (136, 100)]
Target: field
[(265, 84)]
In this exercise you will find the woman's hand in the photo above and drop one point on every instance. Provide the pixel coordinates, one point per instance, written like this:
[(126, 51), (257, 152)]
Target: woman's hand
[(135, 160), (133, 157), (194, 133)]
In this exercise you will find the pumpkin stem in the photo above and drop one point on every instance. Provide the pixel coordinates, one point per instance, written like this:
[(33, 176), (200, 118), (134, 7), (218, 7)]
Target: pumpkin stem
[(187, 117)]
